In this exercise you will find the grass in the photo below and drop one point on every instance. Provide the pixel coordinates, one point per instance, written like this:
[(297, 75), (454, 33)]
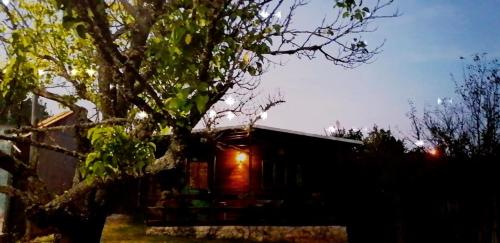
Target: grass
[(122, 229)]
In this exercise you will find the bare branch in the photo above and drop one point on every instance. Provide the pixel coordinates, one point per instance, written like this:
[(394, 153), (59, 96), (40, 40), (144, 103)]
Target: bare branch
[(44, 145), (13, 192), (111, 121), (60, 99), (12, 165)]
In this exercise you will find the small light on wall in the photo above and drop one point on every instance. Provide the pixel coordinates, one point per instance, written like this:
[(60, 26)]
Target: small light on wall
[(241, 157), (433, 152)]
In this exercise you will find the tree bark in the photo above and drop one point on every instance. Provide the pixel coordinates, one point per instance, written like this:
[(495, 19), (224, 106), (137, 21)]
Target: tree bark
[(82, 232)]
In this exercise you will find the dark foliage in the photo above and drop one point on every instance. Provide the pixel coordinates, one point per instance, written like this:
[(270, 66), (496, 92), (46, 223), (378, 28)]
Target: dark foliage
[(449, 195)]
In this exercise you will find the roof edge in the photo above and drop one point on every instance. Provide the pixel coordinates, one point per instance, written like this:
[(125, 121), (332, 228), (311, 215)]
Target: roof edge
[(53, 119), (282, 130)]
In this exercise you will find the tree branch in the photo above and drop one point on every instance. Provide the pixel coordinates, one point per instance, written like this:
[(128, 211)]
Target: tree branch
[(170, 159), (12, 165), (60, 99), (44, 145), (13, 192), (25, 129)]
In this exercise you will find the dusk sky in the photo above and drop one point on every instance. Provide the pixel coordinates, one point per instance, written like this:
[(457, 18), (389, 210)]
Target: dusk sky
[(422, 49)]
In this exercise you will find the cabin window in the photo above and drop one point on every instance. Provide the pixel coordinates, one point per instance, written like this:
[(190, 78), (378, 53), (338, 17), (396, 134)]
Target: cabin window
[(298, 176), (267, 174), (274, 174), (198, 175)]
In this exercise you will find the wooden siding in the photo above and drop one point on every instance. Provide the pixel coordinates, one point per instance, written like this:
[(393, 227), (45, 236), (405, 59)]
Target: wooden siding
[(56, 169), (234, 177)]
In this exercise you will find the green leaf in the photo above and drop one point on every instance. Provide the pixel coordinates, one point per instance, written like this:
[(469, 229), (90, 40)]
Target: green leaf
[(152, 145), (81, 31), (173, 104), (270, 40), (201, 102), (188, 39), (358, 16), (277, 28), (165, 131), (202, 22), (91, 157), (259, 67), (252, 71), (246, 58)]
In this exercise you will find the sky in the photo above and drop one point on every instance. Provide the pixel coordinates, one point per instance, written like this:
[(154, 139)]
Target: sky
[(422, 48), (421, 51)]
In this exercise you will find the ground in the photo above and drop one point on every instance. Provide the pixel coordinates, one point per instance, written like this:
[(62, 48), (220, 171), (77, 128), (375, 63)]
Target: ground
[(122, 229)]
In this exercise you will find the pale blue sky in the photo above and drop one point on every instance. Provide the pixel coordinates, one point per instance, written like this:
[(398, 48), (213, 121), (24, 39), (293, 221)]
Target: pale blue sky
[(422, 49)]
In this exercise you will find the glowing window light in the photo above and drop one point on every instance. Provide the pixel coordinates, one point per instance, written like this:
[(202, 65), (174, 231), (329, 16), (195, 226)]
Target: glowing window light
[(433, 152), (241, 157)]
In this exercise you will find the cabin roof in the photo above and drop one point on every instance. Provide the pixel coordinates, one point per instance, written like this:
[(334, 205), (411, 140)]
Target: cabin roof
[(50, 120), (53, 119), (287, 131), (346, 140)]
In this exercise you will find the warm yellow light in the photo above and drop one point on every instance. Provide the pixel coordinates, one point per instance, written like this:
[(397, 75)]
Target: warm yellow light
[(240, 157), (433, 152)]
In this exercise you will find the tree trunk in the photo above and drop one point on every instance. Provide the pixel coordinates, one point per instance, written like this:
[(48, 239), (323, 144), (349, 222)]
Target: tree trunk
[(15, 220), (82, 232)]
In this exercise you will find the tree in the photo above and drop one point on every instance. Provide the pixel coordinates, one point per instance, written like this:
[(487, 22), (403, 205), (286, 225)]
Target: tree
[(465, 131), (149, 67), (372, 177), (467, 127), (343, 133)]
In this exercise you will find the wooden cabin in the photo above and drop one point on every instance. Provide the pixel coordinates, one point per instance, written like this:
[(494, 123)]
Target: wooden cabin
[(56, 169), (261, 175)]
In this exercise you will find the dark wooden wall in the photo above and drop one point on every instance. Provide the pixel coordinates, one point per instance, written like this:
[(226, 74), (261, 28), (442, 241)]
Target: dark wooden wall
[(56, 169)]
